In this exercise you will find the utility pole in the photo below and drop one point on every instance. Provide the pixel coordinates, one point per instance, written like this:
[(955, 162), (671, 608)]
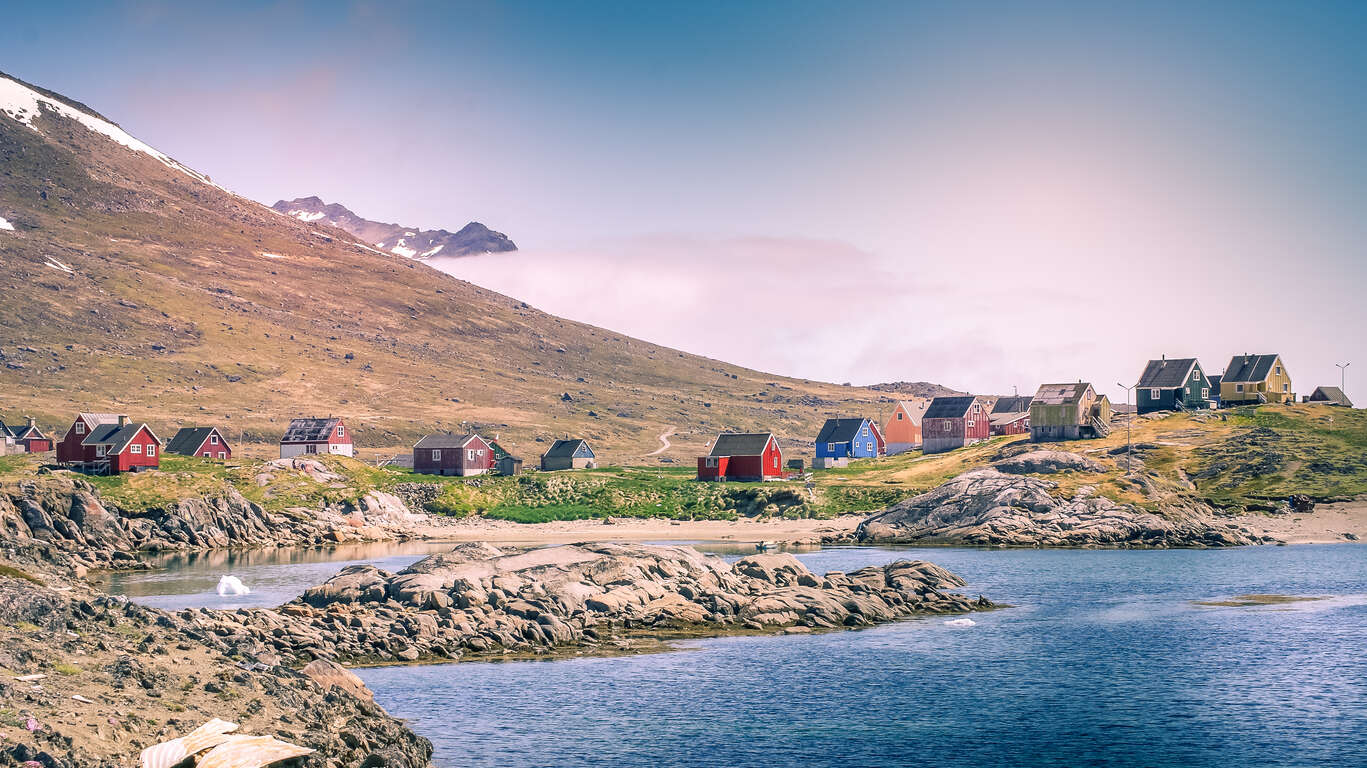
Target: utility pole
[(1343, 375), (1129, 421)]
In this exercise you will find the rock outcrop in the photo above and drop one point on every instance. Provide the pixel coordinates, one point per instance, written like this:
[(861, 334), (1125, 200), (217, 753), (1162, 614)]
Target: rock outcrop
[(59, 521), (989, 507), (477, 599), (93, 679), (1045, 462)]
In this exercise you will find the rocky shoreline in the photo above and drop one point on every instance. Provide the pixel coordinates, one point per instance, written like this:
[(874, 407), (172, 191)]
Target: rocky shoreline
[(477, 601), (991, 507)]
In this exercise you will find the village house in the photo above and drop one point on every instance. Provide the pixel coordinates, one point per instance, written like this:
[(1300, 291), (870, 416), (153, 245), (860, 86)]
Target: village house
[(26, 438), (903, 430), (1215, 390), (106, 443), (205, 442), (572, 453), (1172, 385), (843, 439), (1329, 396), (447, 454), (741, 456), (314, 436), (1069, 412), (1251, 379), (1010, 415), (954, 422)]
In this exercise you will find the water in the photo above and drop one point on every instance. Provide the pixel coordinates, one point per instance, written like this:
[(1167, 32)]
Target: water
[(1103, 661), (274, 576)]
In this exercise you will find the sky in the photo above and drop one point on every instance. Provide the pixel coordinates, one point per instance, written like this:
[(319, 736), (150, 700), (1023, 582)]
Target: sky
[(986, 195)]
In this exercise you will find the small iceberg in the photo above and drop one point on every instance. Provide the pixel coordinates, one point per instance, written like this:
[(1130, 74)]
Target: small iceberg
[(231, 585), (961, 623)]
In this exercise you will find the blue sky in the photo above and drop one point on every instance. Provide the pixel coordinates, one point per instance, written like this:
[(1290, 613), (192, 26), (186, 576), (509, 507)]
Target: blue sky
[(983, 194)]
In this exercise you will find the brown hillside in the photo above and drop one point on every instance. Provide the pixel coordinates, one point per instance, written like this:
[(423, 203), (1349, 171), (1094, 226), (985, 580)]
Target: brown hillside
[(173, 311)]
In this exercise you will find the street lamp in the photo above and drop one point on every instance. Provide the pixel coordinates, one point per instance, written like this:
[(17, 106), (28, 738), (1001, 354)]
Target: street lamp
[(1129, 420)]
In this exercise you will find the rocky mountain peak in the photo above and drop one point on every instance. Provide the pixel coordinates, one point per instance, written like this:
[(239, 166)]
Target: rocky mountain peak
[(471, 240)]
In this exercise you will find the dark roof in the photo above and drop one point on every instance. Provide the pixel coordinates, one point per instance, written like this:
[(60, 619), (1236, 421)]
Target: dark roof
[(1013, 404), (309, 430), (28, 432), (1060, 394), (445, 440), (949, 407), (115, 436), (1330, 395), (6, 431), (1167, 374), (187, 440), (1249, 368), (565, 449), (741, 443), (1215, 383), (840, 430), (500, 452)]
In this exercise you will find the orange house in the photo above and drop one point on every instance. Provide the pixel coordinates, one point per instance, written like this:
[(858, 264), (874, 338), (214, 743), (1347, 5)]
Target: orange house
[(903, 430)]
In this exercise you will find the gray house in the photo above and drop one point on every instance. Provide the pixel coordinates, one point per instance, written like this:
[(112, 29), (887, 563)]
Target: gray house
[(573, 453)]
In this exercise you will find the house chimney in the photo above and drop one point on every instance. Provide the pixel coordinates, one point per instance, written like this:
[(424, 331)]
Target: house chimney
[(30, 421), (1164, 357), (123, 420)]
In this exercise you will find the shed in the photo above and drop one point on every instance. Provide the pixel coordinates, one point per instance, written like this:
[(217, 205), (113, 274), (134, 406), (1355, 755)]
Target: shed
[(505, 463), (1330, 396), (27, 438), (571, 453)]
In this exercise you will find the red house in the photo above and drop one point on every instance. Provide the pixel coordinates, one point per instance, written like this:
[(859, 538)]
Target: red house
[(27, 438), (447, 454), (109, 448), (72, 449), (954, 422), (749, 457), (206, 442)]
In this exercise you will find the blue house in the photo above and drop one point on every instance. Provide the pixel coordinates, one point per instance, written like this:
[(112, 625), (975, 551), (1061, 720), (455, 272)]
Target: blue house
[(843, 439)]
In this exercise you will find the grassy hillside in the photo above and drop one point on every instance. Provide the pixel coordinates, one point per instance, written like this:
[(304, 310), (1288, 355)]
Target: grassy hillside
[(130, 286)]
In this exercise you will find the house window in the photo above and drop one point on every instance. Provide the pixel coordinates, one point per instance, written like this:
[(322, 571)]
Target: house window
[(137, 449), (341, 431), (970, 423), (207, 456), (1205, 392), (472, 454), (1195, 375), (80, 427), (99, 450), (1238, 387), (213, 439), (151, 450), (436, 455), (775, 462), (1286, 387), (1153, 394), (868, 446), (1279, 370), (830, 446), (899, 415), (221, 455)]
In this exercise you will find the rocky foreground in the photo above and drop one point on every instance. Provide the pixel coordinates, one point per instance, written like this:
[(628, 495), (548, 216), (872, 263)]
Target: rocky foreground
[(586, 598), (996, 507)]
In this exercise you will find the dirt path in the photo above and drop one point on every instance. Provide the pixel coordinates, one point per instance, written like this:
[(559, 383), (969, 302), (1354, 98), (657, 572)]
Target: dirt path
[(664, 440)]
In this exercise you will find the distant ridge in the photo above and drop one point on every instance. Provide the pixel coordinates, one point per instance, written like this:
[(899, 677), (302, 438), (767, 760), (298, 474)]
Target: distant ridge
[(915, 388), (472, 239)]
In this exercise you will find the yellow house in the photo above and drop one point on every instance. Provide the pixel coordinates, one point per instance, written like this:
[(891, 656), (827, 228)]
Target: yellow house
[(1256, 379)]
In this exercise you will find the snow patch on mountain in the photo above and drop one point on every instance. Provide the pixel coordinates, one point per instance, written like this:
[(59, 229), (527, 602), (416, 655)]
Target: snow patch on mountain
[(5, 224), (306, 216), (405, 252), (24, 104), (59, 266)]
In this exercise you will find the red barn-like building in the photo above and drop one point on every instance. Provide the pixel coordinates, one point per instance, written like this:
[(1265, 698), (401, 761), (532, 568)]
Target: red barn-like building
[(954, 422), (749, 457), (28, 438), (447, 454)]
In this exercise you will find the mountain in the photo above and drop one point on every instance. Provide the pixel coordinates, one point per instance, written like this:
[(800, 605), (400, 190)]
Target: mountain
[(472, 239), (131, 283)]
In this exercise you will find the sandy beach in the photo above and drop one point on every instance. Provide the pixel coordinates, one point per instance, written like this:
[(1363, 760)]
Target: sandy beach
[(1327, 524), (634, 529)]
